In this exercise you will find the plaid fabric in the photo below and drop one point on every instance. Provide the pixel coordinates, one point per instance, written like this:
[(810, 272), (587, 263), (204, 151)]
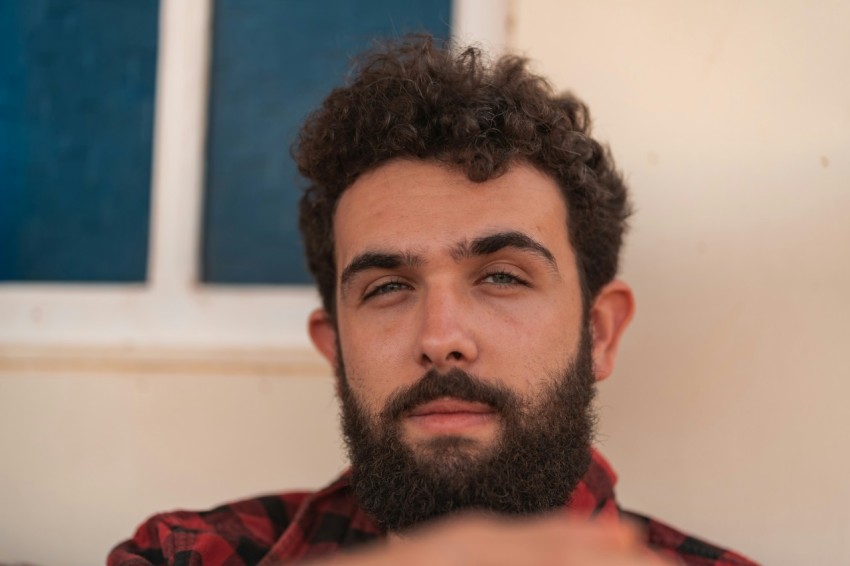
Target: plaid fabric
[(289, 527)]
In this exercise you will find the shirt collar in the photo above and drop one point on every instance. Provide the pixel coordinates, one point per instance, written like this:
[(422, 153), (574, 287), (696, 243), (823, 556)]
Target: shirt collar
[(594, 494)]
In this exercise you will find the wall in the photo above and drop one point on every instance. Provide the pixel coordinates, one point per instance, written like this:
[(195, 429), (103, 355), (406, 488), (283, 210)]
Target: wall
[(87, 456), (726, 415)]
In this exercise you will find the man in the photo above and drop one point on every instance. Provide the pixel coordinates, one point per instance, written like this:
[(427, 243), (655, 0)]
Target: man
[(464, 231)]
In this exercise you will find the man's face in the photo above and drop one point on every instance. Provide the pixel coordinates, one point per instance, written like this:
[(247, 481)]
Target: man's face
[(438, 272), (460, 326)]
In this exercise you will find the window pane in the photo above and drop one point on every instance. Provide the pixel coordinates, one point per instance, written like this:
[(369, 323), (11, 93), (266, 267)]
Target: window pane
[(76, 128), (273, 62)]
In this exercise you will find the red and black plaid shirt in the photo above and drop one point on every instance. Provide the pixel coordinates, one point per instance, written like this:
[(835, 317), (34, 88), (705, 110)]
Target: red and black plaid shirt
[(289, 527)]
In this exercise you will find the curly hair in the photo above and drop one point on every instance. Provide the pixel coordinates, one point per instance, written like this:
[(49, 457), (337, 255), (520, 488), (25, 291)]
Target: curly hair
[(416, 99)]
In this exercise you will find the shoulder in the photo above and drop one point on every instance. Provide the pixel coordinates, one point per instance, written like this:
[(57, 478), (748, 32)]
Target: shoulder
[(240, 531), (282, 528), (686, 548)]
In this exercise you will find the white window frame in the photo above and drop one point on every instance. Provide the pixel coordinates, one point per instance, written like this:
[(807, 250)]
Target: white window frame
[(174, 323)]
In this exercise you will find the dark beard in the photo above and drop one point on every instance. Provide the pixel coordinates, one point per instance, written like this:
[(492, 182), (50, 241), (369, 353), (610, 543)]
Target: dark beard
[(540, 455)]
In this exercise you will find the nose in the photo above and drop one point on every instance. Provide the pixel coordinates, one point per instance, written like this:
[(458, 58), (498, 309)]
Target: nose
[(446, 337)]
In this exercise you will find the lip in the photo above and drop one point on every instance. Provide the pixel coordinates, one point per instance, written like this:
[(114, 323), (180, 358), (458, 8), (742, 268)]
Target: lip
[(448, 405), (447, 415)]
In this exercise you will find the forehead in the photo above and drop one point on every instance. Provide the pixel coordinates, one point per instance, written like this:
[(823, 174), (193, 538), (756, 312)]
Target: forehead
[(421, 206)]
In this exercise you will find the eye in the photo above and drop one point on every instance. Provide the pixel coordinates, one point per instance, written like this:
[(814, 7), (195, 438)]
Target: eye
[(503, 278), (387, 287)]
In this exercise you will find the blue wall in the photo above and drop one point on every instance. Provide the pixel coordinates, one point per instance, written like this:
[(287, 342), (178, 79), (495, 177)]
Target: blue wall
[(76, 127), (273, 62)]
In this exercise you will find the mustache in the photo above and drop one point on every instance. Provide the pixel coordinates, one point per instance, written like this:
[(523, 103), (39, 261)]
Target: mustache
[(454, 383)]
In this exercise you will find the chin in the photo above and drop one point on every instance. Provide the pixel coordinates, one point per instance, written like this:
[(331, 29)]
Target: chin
[(452, 455)]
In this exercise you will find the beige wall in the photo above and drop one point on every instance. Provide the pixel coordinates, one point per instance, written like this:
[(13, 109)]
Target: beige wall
[(725, 416), (87, 457)]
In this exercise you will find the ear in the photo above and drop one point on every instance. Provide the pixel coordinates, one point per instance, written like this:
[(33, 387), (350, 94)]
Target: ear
[(612, 310), (323, 334)]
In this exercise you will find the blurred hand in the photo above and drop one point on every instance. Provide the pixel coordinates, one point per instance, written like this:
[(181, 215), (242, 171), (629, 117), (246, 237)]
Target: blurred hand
[(493, 541)]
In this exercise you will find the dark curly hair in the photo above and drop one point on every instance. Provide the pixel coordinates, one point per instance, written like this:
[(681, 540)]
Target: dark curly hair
[(417, 99)]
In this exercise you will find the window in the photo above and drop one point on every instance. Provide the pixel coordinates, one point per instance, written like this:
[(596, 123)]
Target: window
[(272, 63), (76, 131), (177, 308)]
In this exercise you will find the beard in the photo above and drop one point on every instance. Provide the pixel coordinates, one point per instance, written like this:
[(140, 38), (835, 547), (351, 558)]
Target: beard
[(536, 460)]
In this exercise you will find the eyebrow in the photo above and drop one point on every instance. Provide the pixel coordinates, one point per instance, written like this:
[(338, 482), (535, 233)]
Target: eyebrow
[(377, 260), (482, 246), (492, 243)]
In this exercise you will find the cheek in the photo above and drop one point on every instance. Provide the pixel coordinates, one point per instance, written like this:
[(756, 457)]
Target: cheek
[(534, 337), (373, 365), (557, 321)]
